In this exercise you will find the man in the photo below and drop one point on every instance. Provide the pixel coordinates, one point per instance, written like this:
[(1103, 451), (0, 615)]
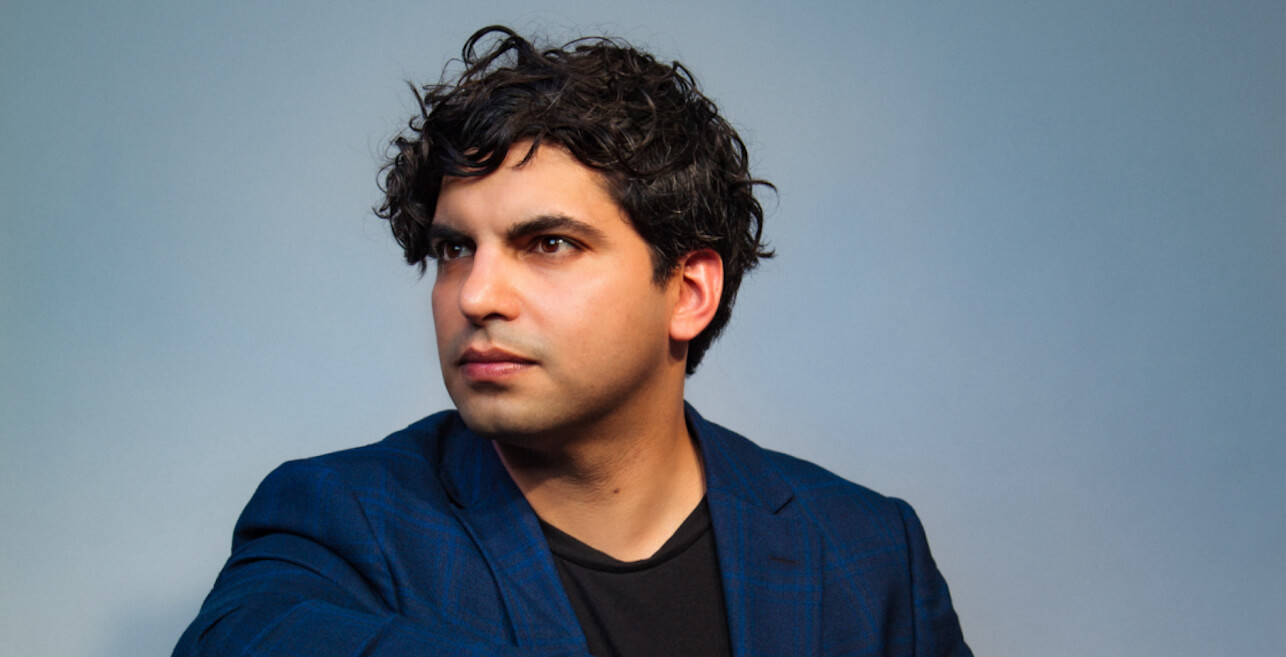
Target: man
[(590, 216)]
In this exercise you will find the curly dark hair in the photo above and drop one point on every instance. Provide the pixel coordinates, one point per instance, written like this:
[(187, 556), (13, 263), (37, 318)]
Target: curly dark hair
[(676, 167)]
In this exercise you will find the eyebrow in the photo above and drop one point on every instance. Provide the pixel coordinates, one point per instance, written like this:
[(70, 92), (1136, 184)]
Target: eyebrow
[(440, 233), (550, 223), (553, 223)]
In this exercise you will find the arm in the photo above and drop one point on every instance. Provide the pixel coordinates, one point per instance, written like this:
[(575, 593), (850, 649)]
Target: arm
[(937, 629), (307, 576)]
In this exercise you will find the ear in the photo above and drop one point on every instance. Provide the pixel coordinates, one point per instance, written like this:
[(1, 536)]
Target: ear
[(699, 280)]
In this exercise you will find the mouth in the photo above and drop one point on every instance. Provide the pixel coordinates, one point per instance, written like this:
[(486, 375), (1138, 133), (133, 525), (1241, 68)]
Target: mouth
[(491, 364)]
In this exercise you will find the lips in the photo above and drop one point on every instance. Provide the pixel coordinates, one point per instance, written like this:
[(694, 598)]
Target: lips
[(491, 364)]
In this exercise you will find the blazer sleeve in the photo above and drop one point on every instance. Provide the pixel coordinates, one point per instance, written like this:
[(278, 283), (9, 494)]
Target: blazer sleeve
[(307, 576), (936, 626)]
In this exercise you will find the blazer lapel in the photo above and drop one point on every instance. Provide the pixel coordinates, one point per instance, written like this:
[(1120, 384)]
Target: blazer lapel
[(506, 530), (770, 559)]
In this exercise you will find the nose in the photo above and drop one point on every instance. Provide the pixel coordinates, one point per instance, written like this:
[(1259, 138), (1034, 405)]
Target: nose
[(487, 291)]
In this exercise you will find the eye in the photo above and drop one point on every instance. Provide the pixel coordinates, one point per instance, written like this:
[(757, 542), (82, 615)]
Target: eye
[(553, 244), (448, 250)]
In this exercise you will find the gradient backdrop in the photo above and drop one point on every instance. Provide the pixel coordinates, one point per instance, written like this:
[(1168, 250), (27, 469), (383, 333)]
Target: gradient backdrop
[(1032, 278)]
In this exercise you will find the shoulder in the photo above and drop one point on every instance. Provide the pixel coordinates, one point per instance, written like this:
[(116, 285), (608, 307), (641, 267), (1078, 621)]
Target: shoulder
[(848, 512), (816, 485), (400, 469), (842, 509), (403, 456), (875, 556)]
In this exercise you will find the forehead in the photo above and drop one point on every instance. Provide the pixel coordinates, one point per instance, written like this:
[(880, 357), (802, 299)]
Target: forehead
[(545, 182)]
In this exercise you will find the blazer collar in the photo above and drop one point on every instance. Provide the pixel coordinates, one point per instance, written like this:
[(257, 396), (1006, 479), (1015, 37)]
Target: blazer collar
[(736, 467), (472, 472), (769, 557), (470, 469), (497, 517), (770, 551)]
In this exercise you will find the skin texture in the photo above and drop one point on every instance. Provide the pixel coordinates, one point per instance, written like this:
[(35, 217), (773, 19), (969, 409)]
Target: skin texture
[(556, 343)]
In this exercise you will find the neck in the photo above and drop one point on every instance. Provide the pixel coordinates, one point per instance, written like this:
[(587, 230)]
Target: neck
[(622, 492)]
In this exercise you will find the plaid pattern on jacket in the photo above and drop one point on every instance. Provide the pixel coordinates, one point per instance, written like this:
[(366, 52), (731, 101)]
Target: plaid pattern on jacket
[(421, 545)]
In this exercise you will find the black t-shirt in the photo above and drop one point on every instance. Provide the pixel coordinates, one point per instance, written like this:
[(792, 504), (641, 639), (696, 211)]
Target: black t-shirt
[(668, 605)]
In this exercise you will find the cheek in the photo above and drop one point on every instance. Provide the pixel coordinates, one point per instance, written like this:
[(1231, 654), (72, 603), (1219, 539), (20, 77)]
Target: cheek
[(609, 310), (442, 304), (437, 301), (445, 294)]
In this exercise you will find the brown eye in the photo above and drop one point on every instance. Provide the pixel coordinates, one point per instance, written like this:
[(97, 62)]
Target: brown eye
[(447, 251), (551, 244)]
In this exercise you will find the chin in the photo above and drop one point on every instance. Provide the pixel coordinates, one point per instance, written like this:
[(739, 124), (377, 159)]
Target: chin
[(500, 421)]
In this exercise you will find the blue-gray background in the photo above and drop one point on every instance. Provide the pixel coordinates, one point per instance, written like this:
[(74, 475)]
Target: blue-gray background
[(1031, 279)]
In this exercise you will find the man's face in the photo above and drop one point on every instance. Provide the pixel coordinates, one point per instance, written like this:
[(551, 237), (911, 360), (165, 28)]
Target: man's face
[(547, 319)]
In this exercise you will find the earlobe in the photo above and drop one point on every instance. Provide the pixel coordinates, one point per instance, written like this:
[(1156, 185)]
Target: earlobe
[(700, 287)]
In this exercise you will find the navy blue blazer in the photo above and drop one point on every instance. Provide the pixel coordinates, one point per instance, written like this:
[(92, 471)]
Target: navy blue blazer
[(421, 545)]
